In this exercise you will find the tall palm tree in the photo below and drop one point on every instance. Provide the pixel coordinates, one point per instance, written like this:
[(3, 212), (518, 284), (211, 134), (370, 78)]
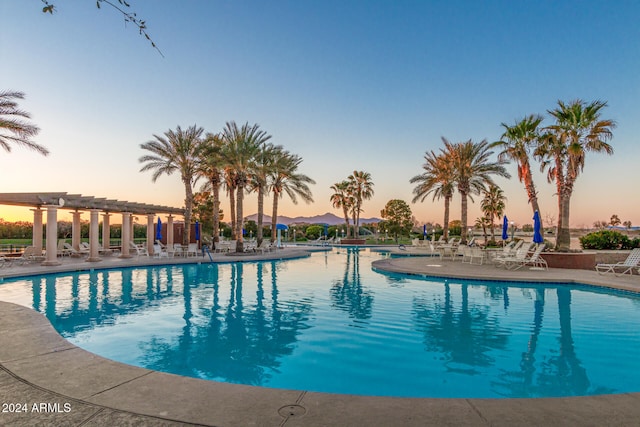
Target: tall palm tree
[(176, 151), (241, 148), (515, 143), (473, 172), (259, 180), (577, 131), (285, 179), (438, 179), (211, 168), (13, 130), (341, 199), (492, 205), (361, 189)]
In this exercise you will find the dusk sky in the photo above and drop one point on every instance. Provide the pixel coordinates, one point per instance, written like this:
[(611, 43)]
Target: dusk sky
[(347, 85)]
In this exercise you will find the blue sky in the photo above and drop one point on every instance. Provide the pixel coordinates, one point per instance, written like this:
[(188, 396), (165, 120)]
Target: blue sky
[(367, 85)]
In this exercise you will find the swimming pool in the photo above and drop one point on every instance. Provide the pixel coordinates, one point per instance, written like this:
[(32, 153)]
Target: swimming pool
[(330, 323)]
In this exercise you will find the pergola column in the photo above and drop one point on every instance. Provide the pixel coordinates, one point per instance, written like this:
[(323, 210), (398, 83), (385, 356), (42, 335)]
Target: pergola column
[(76, 230), (52, 236), (170, 231), (37, 229), (94, 236), (131, 229), (151, 235), (106, 232), (125, 237)]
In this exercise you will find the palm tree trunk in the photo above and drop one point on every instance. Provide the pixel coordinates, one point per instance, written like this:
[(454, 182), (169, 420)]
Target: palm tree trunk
[(216, 212), (445, 227), (493, 230), (346, 221), (188, 205), (463, 215), (232, 210), (240, 219), (274, 216), (563, 240), (260, 215)]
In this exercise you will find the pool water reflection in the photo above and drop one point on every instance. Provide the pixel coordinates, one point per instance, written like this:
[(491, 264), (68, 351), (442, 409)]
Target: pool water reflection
[(330, 323)]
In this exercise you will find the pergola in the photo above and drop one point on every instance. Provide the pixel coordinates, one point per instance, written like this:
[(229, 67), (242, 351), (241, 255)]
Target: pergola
[(95, 205)]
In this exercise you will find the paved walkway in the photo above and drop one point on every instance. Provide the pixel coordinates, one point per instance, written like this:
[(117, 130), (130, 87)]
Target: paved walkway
[(45, 380)]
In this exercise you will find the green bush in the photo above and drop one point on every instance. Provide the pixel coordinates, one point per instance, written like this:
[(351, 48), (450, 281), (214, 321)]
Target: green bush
[(313, 232), (606, 239)]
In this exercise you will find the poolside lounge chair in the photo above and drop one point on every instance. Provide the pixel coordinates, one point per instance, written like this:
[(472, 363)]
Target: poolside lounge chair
[(139, 249), (535, 260), (517, 258), (62, 249), (263, 246), (627, 266), (30, 254), (192, 250), (158, 252)]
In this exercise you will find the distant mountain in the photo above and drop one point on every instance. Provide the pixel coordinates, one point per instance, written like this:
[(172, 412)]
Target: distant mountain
[(327, 218)]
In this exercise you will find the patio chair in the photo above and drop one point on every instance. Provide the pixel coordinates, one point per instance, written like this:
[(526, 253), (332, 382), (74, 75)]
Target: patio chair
[(518, 257), (627, 266), (62, 249), (140, 250), (158, 252), (30, 254), (476, 253), (535, 260), (192, 250), (263, 247)]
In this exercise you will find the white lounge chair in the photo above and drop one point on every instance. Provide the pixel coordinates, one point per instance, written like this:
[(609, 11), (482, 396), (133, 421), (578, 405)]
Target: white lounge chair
[(139, 249), (627, 266), (511, 260), (30, 254), (158, 252), (62, 249), (535, 260), (263, 247), (192, 250)]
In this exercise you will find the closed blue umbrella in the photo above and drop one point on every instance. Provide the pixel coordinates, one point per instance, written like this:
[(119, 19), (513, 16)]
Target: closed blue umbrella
[(159, 229), (537, 226), (197, 231), (424, 231), (505, 228)]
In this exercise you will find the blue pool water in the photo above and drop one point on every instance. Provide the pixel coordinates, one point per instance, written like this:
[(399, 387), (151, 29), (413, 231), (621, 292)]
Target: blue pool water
[(330, 323)]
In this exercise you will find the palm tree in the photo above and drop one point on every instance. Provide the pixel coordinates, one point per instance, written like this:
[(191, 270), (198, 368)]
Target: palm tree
[(577, 131), (241, 148), (482, 222), (13, 130), (515, 142), (259, 180), (437, 179), (492, 205), (211, 168), (361, 189), (341, 199), (285, 178), (176, 151), (473, 171)]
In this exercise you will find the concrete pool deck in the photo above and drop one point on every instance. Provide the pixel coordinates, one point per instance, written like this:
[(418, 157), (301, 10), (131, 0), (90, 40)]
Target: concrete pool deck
[(54, 382)]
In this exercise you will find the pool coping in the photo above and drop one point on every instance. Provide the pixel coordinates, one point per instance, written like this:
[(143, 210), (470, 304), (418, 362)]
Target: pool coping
[(38, 366)]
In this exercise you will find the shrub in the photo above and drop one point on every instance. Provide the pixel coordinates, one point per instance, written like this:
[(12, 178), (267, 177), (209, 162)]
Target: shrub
[(313, 232), (606, 239)]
